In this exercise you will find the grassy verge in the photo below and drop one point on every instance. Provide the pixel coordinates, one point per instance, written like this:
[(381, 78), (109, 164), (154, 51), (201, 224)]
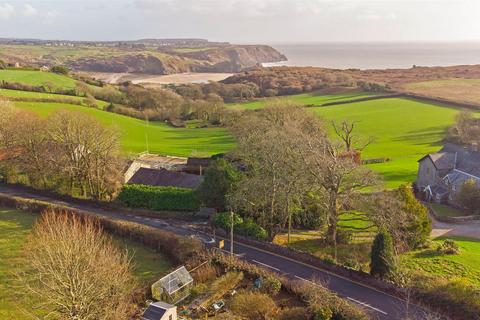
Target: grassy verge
[(464, 265), (14, 228)]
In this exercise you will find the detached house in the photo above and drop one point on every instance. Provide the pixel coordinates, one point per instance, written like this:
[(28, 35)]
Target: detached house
[(442, 174)]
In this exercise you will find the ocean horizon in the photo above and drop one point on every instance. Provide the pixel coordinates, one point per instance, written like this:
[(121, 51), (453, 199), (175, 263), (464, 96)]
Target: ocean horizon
[(377, 55)]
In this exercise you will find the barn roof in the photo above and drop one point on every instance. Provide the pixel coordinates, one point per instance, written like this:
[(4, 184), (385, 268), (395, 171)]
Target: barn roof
[(163, 177), (453, 156)]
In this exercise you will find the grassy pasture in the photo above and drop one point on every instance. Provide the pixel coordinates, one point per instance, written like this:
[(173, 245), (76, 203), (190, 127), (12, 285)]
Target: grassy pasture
[(37, 78), (7, 93), (461, 90), (162, 138), (14, 229), (311, 99), (404, 131)]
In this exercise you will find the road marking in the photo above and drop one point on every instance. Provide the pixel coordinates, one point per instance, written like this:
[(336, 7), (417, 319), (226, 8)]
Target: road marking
[(266, 265), (303, 279), (367, 305)]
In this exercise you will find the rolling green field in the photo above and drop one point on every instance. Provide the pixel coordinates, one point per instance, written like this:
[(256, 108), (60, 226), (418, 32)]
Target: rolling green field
[(465, 264), (308, 99), (14, 228), (37, 78), (404, 131), (7, 93), (162, 138)]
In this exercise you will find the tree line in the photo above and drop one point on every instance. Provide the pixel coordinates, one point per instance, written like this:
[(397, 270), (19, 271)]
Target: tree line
[(68, 152)]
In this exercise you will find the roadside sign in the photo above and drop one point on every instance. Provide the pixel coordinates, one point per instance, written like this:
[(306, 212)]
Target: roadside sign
[(221, 244)]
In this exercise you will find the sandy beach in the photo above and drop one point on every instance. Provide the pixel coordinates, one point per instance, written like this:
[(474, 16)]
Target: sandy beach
[(152, 80)]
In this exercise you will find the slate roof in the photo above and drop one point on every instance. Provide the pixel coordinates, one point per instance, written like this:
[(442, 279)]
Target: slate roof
[(163, 177), (453, 156)]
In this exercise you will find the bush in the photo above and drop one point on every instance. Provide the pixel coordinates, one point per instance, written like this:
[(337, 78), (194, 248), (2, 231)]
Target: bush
[(60, 70), (448, 247), (158, 198), (251, 229), (246, 227), (469, 195), (323, 314), (253, 306), (271, 286), (344, 236), (382, 263)]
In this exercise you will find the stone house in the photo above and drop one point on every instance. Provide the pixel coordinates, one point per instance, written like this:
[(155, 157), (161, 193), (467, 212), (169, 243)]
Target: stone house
[(442, 174)]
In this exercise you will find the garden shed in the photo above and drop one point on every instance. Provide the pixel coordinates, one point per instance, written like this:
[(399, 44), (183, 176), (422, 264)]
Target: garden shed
[(174, 287)]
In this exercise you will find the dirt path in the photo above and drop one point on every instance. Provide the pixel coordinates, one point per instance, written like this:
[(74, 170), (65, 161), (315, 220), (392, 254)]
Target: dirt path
[(470, 229)]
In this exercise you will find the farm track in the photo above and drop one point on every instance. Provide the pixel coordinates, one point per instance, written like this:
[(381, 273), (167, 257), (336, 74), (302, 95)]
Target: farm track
[(378, 304)]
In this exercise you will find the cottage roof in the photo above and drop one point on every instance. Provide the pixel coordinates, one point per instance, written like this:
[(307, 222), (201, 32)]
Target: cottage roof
[(163, 177), (453, 156)]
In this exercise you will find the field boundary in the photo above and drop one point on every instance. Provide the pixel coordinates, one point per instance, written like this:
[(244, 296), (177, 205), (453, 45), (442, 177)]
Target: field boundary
[(446, 219)]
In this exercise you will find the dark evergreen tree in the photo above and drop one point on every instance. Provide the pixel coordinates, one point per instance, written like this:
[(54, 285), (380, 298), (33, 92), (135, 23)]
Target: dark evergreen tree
[(382, 264), (219, 180)]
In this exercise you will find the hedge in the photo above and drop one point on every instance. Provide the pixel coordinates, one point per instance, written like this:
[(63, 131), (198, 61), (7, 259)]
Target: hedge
[(158, 198)]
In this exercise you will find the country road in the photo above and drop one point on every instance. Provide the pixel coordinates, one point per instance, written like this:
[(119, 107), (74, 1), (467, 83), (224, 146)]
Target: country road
[(379, 305)]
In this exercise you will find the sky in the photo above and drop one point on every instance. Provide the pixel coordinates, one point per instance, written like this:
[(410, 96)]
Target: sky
[(244, 21)]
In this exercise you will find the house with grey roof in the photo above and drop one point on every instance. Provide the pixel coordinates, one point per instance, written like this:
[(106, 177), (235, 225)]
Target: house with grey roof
[(442, 174)]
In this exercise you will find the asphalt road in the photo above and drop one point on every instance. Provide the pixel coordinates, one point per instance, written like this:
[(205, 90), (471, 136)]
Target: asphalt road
[(379, 305)]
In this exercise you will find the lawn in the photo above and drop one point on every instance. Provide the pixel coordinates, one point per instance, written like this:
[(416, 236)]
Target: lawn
[(37, 78), (18, 94), (465, 264), (461, 90), (15, 227), (404, 130), (162, 138), (308, 99)]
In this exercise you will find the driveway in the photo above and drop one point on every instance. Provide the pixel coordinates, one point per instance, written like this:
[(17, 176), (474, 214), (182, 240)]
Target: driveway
[(470, 229)]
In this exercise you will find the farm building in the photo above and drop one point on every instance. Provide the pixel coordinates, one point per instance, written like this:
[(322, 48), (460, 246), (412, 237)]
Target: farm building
[(160, 311), (174, 287), (153, 161), (165, 178), (442, 174)]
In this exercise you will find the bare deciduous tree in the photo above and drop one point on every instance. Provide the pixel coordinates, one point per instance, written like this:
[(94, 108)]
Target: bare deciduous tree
[(75, 271), (346, 132)]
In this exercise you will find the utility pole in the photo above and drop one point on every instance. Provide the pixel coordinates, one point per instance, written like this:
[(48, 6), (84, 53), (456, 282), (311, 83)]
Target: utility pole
[(231, 233)]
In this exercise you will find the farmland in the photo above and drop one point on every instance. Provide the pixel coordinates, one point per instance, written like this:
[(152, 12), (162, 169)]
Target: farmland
[(14, 228), (162, 138), (460, 90), (37, 78), (308, 99)]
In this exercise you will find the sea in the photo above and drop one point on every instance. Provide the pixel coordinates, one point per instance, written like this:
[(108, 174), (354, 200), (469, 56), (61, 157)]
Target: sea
[(378, 55)]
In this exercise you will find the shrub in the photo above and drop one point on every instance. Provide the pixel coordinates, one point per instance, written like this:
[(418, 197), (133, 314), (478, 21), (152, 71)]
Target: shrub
[(253, 306), (246, 227), (382, 262), (158, 198), (323, 314), (469, 195), (251, 229), (448, 247), (271, 286), (60, 70), (221, 286)]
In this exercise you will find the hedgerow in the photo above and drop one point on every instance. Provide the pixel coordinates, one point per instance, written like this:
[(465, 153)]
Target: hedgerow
[(158, 198)]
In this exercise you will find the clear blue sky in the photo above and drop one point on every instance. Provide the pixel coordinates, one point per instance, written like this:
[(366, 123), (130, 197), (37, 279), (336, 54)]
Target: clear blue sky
[(243, 21)]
